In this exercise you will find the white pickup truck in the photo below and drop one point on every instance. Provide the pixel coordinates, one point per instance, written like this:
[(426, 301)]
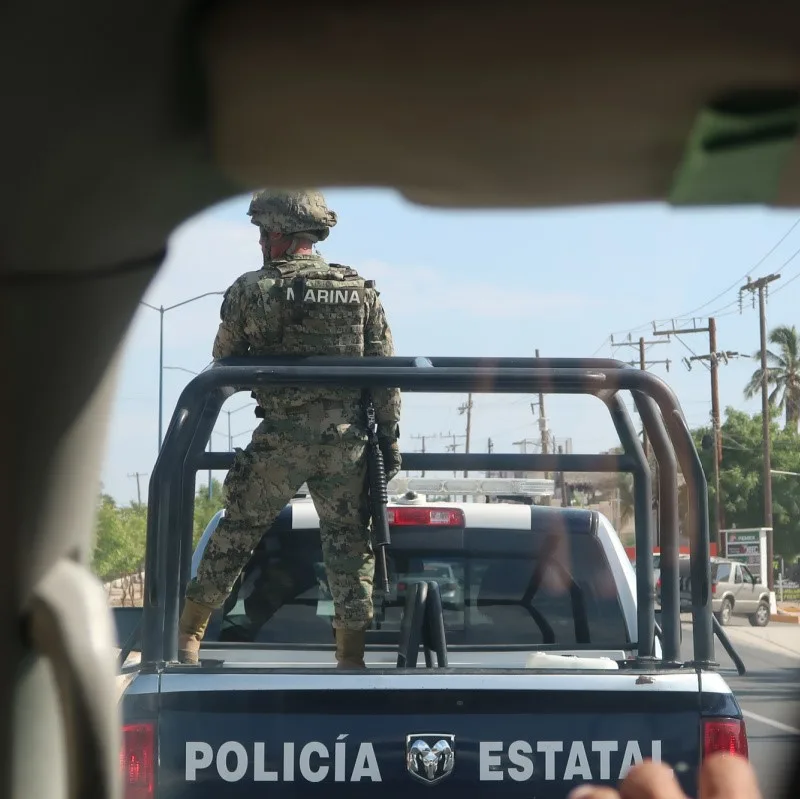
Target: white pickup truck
[(539, 690), (542, 670)]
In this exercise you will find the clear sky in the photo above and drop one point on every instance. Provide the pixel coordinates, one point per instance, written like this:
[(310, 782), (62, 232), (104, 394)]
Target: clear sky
[(498, 283)]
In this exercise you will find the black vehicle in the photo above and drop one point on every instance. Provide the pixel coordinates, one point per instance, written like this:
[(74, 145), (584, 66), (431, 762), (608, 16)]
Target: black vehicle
[(545, 670)]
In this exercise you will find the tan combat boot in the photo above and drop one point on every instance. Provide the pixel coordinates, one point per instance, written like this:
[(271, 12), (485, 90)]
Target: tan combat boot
[(350, 649), (191, 629)]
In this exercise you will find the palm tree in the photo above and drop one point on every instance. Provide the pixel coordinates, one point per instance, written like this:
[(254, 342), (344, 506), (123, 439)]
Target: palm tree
[(783, 374)]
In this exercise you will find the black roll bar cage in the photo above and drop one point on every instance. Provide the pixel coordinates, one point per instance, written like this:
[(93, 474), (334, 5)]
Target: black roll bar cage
[(183, 454)]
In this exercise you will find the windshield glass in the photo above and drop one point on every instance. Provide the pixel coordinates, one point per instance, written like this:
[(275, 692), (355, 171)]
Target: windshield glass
[(675, 291)]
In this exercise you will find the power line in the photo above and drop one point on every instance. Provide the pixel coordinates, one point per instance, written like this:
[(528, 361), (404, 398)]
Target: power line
[(788, 261), (737, 301), (787, 283), (719, 312), (602, 346), (738, 280), (694, 355)]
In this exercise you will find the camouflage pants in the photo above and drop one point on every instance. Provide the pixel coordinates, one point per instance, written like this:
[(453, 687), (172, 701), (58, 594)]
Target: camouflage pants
[(261, 481)]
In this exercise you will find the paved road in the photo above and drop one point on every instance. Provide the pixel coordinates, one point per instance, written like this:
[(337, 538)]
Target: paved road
[(769, 695)]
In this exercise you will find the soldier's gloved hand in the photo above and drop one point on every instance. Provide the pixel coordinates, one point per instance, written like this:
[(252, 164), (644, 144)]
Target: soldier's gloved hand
[(391, 456)]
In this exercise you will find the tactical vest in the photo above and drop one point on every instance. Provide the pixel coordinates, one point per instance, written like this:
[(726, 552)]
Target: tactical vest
[(315, 309)]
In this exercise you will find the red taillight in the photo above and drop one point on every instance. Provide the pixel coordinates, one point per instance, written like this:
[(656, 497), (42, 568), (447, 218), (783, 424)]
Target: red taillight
[(724, 735), (426, 517), (136, 760), (401, 586), (658, 584), (713, 589)]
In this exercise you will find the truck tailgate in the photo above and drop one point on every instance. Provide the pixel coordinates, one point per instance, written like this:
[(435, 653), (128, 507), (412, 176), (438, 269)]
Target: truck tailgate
[(531, 735)]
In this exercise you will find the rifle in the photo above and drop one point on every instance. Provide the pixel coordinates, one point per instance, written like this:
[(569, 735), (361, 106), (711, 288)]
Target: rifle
[(378, 493)]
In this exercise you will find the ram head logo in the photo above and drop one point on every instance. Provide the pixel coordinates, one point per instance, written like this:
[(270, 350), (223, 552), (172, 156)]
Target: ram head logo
[(430, 757)]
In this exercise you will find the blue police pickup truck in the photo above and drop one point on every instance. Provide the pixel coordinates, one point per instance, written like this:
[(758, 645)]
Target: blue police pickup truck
[(511, 656)]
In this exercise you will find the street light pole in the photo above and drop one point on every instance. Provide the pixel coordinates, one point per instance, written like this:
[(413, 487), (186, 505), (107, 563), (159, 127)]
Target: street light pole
[(161, 311), (230, 413)]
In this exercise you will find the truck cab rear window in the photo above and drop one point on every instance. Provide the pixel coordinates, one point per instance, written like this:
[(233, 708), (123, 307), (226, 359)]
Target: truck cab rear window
[(489, 597)]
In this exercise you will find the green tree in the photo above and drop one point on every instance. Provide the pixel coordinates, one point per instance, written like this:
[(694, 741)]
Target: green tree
[(741, 477), (119, 540), (205, 507), (783, 374), (121, 532), (119, 550)]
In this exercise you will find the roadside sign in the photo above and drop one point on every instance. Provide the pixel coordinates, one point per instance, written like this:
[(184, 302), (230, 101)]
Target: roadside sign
[(750, 548)]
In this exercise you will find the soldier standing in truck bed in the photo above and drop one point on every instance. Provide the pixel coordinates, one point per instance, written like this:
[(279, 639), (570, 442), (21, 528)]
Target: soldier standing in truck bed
[(298, 304)]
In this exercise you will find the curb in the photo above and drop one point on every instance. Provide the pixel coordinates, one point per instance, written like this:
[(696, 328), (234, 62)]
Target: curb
[(785, 618)]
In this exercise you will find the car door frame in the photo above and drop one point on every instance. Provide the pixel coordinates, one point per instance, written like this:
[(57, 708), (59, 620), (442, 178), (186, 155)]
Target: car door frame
[(752, 594)]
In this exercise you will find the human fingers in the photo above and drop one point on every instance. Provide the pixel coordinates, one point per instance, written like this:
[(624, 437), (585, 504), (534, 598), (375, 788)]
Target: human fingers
[(651, 780), (726, 776), (593, 792)]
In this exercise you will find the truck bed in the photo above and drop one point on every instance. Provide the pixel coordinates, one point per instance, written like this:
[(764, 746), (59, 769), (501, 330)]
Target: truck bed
[(516, 732)]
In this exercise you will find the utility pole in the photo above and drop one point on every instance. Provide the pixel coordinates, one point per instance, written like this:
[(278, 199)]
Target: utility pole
[(523, 445), (712, 351), (489, 449), (713, 357), (752, 286), (564, 489), (643, 364), (452, 447), (542, 419), (230, 413), (543, 431), (680, 332), (422, 448), (467, 408), (137, 475)]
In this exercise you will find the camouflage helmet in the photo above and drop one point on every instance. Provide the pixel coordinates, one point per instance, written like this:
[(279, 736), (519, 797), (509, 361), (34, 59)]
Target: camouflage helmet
[(292, 212)]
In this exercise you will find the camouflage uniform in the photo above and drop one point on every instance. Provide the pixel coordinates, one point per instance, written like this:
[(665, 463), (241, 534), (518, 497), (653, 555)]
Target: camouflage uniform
[(302, 305)]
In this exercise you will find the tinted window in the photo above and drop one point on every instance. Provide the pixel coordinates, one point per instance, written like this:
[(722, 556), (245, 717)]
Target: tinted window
[(489, 597)]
